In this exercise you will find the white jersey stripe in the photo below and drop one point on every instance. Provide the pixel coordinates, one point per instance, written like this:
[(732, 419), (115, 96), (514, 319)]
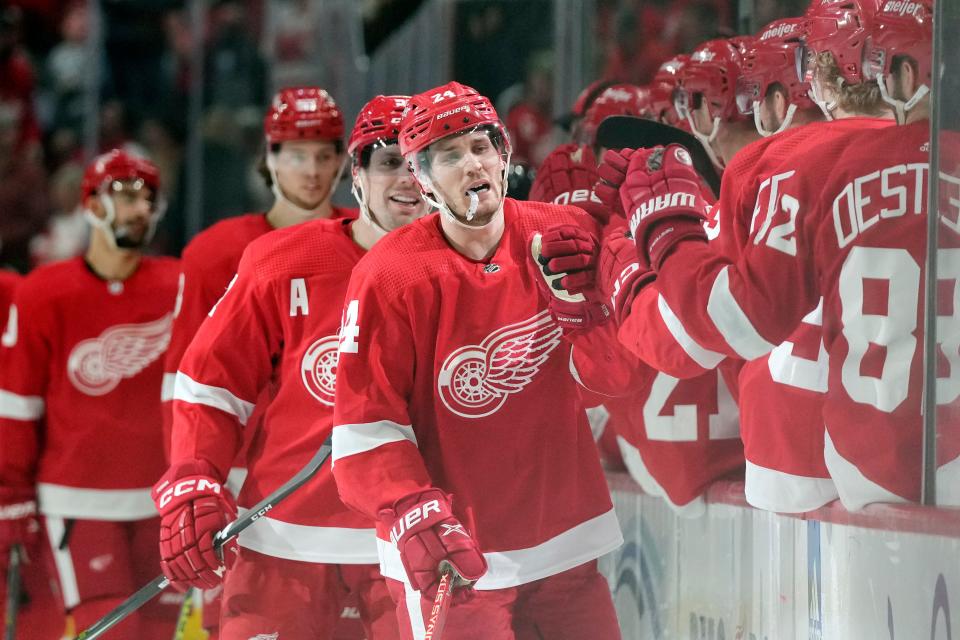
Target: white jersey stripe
[(64, 562), (856, 490), (775, 490), (115, 505), (586, 541), (167, 386), (305, 543), (351, 439), (412, 599), (187, 389), (732, 322), (17, 407), (703, 357)]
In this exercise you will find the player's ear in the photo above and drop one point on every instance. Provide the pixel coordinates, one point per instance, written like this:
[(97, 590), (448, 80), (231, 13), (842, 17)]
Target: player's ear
[(92, 203), (906, 76), (779, 103)]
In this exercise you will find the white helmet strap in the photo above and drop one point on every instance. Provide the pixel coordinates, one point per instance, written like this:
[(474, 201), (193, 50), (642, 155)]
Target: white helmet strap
[(901, 107), (706, 140), (362, 201), (787, 119)]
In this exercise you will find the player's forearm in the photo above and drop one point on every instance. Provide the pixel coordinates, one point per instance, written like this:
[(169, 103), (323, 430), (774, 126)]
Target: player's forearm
[(201, 432), (373, 480), (653, 333), (739, 310), (19, 452)]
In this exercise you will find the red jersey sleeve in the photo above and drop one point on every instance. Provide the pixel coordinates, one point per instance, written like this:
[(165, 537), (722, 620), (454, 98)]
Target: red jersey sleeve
[(375, 453), (223, 370), (746, 308), (24, 378)]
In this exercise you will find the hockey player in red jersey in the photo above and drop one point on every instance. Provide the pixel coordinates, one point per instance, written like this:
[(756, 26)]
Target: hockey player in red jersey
[(784, 449), (457, 424), (80, 422), (271, 342), (303, 130), (40, 616), (851, 231)]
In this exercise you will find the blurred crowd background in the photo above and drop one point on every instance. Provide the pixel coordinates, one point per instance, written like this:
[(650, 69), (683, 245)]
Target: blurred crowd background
[(186, 83)]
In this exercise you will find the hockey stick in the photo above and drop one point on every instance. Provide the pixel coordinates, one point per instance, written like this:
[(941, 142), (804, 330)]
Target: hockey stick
[(441, 603), (186, 608), (232, 530), (13, 593), (619, 132)]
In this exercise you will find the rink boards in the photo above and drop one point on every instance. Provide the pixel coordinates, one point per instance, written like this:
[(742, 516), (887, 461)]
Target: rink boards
[(891, 573)]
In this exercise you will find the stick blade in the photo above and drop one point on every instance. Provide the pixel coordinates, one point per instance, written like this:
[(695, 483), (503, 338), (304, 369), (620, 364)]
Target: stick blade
[(618, 132)]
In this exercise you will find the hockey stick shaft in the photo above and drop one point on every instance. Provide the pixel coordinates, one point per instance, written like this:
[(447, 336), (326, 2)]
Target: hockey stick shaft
[(186, 609), (232, 530), (441, 605), (13, 593)]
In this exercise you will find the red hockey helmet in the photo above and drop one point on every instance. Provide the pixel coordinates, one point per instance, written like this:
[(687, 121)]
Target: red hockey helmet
[(118, 166), (378, 121), (900, 27), (444, 111), (618, 100), (712, 73), (771, 59), (303, 113), (661, 89), (839, 27), (587, 97)]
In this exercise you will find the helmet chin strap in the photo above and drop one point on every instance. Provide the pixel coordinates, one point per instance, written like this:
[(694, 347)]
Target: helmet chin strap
[(281, 196), (706, 140), (361, 197), (827, 107), (899, 106), (105, 224), (792, 109)]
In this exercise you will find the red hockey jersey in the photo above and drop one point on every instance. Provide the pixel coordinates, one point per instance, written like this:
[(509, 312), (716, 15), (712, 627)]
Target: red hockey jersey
[(852, 231), (271, 343), (453, 374), (679, 436), (79, 392), (781, 401), (208, 263)]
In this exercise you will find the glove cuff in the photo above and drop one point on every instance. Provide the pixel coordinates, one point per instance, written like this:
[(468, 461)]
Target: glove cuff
[(664, 235), (628, 285)]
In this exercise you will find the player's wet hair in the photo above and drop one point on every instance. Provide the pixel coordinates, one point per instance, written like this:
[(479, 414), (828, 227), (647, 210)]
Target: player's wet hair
[(863, 97)]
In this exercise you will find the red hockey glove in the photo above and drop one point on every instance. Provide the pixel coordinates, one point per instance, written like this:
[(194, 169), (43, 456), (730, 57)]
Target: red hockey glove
[(662, 198), (620, 274), (193, 507), (612, 172), (18, 522), (566, 259), (568, 176), (427, 534)]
